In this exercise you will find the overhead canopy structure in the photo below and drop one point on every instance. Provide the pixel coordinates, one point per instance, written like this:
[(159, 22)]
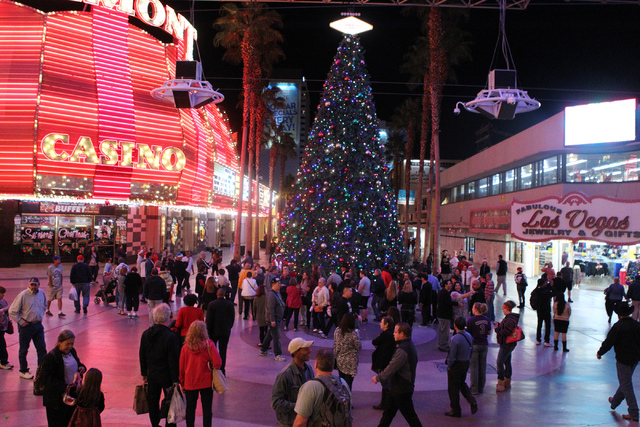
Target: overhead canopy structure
[(466, 4)]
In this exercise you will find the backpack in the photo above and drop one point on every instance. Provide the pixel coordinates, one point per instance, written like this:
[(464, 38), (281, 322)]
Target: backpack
[(534, 298), (336, 402)]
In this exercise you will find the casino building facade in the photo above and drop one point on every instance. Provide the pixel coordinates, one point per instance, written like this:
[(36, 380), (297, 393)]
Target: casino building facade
[(566, 189), (87, 153)]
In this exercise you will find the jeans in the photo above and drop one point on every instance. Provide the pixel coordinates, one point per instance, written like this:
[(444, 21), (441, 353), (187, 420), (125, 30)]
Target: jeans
[(375, 304), (625, 389), (347, 378), (456, 377), (543, 316), (234, 290), (521, 291), (4, 356), (491, 312), (504, 361), (288, 312), (403, 402), (443, 333), (333, 321), (35, 332), (318, 320), (248, 307), (206, 398), (120, 297), (153, 399), (273, 334), (502, 281), (152, 303), (85, 289), (478, 368), (222, 343), (94, 271)]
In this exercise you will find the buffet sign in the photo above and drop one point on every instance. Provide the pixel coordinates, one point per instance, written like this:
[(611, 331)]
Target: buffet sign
[(575, 217)]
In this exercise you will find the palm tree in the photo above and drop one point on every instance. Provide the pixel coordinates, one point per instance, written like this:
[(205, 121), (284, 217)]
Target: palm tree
[(287, 150), (395, 151), (407, 118), (274, 154), (243, 32)]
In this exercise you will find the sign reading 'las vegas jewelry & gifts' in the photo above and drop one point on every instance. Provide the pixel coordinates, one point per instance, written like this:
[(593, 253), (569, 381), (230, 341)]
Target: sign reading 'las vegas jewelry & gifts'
[(577, 217)]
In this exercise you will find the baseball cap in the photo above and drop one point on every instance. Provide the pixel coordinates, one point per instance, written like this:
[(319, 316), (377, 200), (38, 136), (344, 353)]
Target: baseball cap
[(55, 258), (275, 280), (34, 280), (519, 268), (298, 343), (80, 258)]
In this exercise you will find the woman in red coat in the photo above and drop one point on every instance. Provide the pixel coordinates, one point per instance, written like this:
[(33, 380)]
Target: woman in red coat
[(196, 356), (294, 302), (187, 315)]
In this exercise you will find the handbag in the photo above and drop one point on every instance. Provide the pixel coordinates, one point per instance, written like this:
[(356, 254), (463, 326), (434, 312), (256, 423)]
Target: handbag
[(140, 404), (317, 309), (69, 398), (10, 329), (178, 407), (73, 293), (516, 336), (218, 380)]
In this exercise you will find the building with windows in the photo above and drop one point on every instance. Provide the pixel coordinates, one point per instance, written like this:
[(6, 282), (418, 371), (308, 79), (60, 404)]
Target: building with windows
[(566, 189)]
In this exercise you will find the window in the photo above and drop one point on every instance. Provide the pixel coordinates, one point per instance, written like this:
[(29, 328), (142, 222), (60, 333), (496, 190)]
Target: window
[(526, 176), (516, 250), (483, 185), (496, 181), (548, 171), (470, 247), (613, 167), (510, 181), (471, 190)]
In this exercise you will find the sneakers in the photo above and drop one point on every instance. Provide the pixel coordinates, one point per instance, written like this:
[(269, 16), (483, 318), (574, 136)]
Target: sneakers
[(26, 375), (569, 300), (286, 329), (295, 329), (135, 314), (629, 417), (279, 358), (316, 330), (6, 366), (263, 353), (61, 314), (76, 311), (322, 335), (130, 316), (548, 344), (611, 403), (48, 313)]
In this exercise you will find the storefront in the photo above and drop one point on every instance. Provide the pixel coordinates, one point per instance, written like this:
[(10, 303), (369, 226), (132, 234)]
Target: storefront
[(86, 153), (546, 195)]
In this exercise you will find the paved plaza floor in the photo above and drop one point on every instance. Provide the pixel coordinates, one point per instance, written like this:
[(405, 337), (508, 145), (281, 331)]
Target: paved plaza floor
[(549, 388)]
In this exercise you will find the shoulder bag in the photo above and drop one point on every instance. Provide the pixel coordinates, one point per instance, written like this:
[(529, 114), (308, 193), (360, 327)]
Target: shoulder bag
[(218, 380), (515, 336)]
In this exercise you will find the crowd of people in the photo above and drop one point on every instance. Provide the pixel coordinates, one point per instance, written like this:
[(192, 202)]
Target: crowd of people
[(184, 347)]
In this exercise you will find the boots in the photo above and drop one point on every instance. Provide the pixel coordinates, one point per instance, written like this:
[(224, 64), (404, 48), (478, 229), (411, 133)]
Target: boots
[(564, 346), (500, 386), (507, 383), (555, 345)]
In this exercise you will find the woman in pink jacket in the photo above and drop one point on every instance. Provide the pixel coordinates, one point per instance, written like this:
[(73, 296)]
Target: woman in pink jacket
[(294, 302), (198, 353)]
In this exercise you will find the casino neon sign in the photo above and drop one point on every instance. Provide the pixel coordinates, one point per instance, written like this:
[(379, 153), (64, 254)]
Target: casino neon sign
[(113, 153), (154, 13)]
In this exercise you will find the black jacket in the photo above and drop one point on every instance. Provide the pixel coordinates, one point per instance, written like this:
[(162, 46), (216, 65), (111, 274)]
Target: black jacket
[(401, 370), (445, 304), (343, 307), (425, 293), (220, 318), (132, 284), (159, 355), (624, 337), (53, 373), (155, 288), (80, 273), (385, 346), (633, 292), (408, 300)]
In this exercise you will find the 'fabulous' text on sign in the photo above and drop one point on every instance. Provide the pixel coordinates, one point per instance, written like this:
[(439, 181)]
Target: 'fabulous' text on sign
[(577, 217)]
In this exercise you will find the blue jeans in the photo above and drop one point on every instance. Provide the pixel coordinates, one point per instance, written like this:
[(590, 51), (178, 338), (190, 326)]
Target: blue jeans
[(478, 368), (504, 361), (375, 304), (625, 389), (491, 312), (35, 332), (273, 334), (85, 289)]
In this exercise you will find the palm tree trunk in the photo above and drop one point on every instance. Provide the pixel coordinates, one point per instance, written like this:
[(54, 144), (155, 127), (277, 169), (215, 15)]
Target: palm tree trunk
[(424, 133), (407, 179), (258, 148), (429, 230), (273, 159), (247, 55)]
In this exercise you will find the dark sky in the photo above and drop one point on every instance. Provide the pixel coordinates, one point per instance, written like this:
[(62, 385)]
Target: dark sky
[(564, 55)]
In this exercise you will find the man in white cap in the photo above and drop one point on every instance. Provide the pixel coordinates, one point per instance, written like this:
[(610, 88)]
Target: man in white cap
[(284, 393)]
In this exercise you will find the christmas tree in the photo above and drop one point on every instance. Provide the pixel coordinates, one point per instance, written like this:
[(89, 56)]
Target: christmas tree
[(343, 210)]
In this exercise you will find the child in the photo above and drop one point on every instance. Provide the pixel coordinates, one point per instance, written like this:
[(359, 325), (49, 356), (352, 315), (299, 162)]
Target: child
[(90, 401), (4, 324)]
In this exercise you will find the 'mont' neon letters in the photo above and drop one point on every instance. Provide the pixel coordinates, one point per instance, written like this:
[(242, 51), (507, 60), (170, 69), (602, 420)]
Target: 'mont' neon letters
[(149, 157), (152, 12)]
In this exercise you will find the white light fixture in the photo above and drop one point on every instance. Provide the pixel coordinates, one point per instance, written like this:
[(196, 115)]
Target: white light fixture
[(188, 89), (351, 24)]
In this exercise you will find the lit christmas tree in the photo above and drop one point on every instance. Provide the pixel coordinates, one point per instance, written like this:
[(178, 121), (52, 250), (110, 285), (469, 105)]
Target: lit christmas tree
[(344, 209)]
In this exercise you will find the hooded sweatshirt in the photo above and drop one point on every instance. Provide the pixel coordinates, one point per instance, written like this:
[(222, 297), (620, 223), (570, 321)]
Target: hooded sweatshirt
[(159, 352), (194, 368)]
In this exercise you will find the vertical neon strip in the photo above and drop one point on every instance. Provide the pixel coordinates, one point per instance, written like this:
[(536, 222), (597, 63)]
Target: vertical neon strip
[(115, 98)]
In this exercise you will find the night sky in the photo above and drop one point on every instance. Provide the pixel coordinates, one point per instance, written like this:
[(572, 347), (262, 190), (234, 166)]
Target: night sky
[(565, 54)]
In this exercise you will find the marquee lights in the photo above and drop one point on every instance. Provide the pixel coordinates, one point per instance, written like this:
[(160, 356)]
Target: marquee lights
[(161, 16), (172, 159)]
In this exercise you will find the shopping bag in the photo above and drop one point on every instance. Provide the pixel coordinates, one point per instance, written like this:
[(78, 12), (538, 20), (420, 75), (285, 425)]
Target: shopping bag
[(140, 404), (218, 381), (178, 408), (73, 293)]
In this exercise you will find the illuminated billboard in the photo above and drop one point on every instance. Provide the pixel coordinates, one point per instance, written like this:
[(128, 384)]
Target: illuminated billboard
[(77, 116), (604, 122)]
